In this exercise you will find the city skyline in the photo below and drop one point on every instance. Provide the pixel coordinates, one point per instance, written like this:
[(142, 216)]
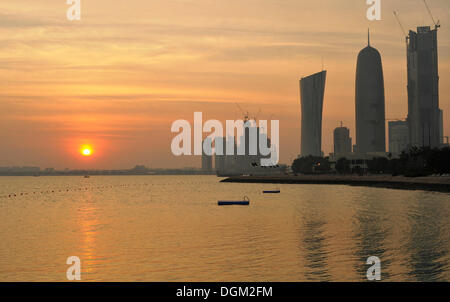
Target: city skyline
[(119, 77)]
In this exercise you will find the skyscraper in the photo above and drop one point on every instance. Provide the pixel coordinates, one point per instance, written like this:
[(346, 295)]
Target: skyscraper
[(342, 142), (370, 112), (312, 89), (423, 88), (398, 137)]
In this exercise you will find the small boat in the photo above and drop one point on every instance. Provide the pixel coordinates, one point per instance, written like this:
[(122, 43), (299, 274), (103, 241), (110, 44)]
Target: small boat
[(244, 202), (272, 192), (86, 176), (276, 191)]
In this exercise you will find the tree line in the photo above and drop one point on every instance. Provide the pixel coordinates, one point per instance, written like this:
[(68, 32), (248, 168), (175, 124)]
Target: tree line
[(415, 162)]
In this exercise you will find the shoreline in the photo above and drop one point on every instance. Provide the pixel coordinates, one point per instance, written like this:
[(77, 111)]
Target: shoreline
[(432, 183)]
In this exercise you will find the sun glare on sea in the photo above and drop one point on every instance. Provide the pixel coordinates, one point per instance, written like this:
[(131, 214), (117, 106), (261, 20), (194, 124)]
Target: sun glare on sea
[(86, 150)]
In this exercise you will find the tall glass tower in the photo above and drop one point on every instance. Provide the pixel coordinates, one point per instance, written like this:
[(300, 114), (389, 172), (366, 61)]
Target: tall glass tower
[(370, 111), (312, 89)]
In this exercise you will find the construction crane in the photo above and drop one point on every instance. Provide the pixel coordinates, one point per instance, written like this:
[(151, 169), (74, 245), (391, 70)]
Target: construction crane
[(246, 114), (401, 26), (243, 112), (436, 24), (405, 35), (257, 115)]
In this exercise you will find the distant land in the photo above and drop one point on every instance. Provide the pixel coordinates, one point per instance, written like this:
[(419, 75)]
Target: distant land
[(137, 170)]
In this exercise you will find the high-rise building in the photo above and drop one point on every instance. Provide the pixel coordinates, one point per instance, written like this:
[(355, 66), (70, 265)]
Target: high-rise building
[(250, 142), (441, 127), (342, 142), (312, 89), (370, 107), (220, 159), (423, 88), (398, 137), (246, 158), (250, 147), (206, 159)]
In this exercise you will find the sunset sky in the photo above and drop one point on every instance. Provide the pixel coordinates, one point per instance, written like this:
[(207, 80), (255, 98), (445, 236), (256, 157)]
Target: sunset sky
[(117, 79)]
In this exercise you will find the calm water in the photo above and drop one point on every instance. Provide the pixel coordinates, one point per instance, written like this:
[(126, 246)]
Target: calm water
[(169, 228)]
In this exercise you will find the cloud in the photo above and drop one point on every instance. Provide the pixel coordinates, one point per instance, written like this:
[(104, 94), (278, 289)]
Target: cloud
[(23, 21)]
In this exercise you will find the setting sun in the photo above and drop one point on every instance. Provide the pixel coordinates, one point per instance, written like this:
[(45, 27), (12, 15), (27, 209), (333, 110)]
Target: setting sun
[(86, 150)]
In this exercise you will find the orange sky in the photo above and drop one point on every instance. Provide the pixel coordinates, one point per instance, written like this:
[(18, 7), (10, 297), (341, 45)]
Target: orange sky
[(118, 78)]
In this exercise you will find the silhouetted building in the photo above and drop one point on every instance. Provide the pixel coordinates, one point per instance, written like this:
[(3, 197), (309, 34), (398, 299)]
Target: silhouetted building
[(441, 126), (220, 159), (342, 142), (312, 89), (140, 169), (251, 149), (206, 159), (250, 162), (398, 137), (246, 159), (370, 111), (423, 88)]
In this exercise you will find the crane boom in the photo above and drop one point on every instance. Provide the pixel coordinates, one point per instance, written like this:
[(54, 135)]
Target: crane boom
[(436, 25), (400, 23), (240, 108), (242, 111), (257, 115), (403, 29)]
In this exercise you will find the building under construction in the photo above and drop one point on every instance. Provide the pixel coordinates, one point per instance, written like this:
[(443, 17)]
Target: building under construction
[(425, 121), (423, 88)]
